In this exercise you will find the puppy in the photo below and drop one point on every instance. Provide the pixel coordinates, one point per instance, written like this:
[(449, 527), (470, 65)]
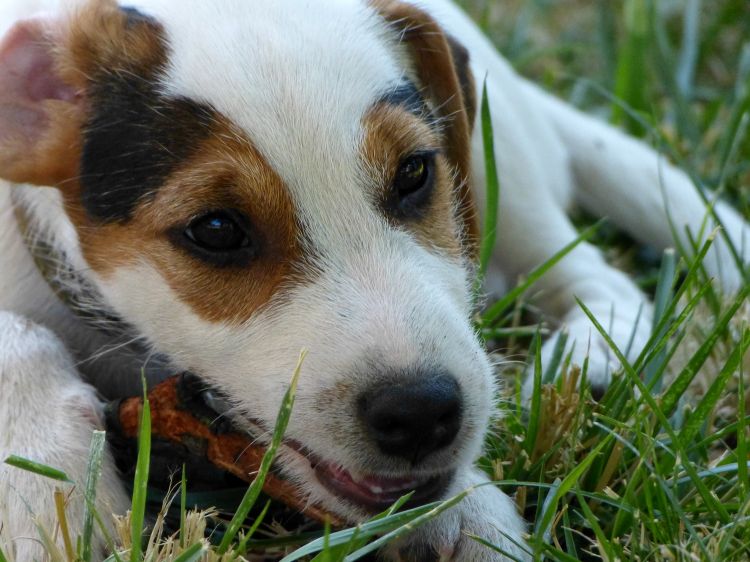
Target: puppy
[(214, 186)]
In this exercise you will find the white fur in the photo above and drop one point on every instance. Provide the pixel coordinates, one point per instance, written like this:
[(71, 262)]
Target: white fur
[(49, 421), (297, 78)]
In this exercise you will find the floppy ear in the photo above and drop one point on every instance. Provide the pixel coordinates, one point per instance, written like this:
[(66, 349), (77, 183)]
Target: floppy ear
[(441, 66), (40, 112)]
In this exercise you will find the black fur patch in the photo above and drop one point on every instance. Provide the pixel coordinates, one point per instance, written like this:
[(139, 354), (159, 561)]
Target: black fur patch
[(407, 95), (135, 16), (134, 137), (133, 141)]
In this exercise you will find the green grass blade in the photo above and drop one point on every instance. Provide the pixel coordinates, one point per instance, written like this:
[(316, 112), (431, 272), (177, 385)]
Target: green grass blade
[(607, 37), (701, 413), (251, 531), (631, 76), (183, 506), (356, 542), (37, 468), (140, 480), (715, 472), (369, 529), (658, 337), (655, 346), (601, 537), (570, 543), (552, 368), (408, 527), (327, 554), (565, 486), (680, 385), (741, 452), (661, 303), (690, 46), (192, 554), (536, 400), (665, 63), (492, 188), (253, 491), (484, 542), (107, 537), (507, 300), (93, 472), (740, 107), (545, 532)]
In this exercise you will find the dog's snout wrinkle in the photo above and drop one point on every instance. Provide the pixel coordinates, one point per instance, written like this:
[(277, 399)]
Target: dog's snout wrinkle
[(413, 419)]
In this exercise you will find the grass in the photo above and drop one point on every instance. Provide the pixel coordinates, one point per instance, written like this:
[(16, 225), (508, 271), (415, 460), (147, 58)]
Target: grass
[(657, 469)]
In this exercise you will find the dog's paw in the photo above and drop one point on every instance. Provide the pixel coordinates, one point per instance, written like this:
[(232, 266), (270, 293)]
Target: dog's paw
[(485, 513), (584, 343)]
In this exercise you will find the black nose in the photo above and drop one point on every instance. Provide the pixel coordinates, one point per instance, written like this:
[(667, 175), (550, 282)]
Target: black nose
[(413, 419)]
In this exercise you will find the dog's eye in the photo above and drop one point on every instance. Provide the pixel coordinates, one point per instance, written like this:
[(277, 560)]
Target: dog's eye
[(412, 175), (410, 191), (220, 237), (217, 232)]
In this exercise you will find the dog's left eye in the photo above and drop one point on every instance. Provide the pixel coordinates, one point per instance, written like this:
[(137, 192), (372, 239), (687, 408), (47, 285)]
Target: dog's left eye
[(410, 191), (219, 237)]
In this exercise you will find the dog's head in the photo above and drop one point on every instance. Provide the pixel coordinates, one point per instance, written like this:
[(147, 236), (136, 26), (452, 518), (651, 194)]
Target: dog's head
[(248, 179)]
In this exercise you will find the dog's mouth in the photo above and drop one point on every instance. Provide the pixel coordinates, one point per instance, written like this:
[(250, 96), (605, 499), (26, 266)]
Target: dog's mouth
[(379, 493), (371, 492)]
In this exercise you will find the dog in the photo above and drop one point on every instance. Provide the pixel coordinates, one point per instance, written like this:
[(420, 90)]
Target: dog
[(215, 186)]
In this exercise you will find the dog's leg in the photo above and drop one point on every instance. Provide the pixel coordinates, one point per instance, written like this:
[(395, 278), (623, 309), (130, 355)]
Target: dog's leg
[(639, 190), (47, 414), (486, 512), (610, 295)]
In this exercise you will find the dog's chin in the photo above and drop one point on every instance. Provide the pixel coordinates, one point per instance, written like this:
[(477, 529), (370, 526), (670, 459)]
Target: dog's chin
[(358, 494)]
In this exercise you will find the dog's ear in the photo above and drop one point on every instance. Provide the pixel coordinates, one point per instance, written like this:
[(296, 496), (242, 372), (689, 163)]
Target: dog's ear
[(40, 111), (441, 66)]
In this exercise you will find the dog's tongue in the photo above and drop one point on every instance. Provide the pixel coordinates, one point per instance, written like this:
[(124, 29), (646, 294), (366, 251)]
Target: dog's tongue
[(371, 492)]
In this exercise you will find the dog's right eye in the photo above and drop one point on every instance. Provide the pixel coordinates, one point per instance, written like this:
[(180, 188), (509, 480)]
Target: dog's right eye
[(221, 237)]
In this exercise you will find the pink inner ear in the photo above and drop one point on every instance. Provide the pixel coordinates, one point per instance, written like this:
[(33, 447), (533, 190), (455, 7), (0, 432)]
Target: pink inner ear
[(32, 128), (27, 66), (28, 78)]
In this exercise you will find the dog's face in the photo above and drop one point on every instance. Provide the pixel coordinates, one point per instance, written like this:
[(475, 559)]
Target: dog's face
[(250, 179)]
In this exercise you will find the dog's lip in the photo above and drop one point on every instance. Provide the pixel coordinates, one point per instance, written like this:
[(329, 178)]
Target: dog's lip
[(377, 493), (372, 492)]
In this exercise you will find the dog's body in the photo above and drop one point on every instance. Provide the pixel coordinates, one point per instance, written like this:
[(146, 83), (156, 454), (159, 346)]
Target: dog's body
[(299, 118)]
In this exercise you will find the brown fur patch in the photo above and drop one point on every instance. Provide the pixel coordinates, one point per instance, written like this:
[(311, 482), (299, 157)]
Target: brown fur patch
[(227, 172), (104, 38), (392, 133), (441, 75)]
